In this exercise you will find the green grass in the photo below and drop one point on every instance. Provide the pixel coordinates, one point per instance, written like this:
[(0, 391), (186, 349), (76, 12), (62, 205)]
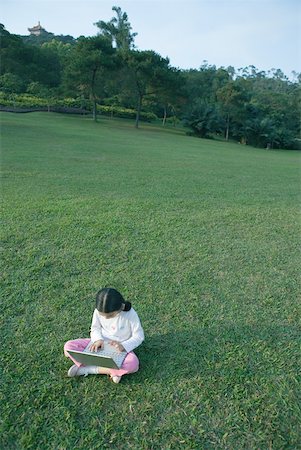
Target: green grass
[(203, 237)]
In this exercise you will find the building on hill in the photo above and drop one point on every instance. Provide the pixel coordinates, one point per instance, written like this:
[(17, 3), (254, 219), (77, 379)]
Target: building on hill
[(37, 30), (38, 36)]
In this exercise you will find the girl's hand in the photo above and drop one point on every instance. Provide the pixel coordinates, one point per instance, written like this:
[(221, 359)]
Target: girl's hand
[(118, 346), (96, 345)]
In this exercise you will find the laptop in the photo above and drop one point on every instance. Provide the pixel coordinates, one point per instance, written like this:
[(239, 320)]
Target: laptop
[(107, 356)]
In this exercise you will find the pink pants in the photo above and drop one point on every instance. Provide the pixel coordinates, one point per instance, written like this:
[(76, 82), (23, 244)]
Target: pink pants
[(129, 365)]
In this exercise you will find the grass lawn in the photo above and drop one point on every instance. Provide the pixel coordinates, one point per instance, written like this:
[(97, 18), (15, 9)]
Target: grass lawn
[(202, 236)]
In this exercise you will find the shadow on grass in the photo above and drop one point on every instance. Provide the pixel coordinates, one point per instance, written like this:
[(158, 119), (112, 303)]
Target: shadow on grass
[(238, 351)]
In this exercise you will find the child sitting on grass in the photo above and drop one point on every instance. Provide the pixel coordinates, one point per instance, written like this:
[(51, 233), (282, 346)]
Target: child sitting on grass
[(114, 320)]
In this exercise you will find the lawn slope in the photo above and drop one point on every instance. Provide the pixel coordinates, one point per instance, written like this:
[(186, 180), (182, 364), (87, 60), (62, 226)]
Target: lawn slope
[(202, 236)]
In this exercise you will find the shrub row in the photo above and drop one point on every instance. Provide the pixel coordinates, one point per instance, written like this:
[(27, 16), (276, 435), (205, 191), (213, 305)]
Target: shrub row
[(28, 102)]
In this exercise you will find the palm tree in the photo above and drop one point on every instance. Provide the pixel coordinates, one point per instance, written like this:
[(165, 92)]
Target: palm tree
[(118, 29)]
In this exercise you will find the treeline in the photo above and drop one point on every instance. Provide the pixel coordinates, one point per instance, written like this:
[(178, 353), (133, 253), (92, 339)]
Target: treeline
[(106, 73)]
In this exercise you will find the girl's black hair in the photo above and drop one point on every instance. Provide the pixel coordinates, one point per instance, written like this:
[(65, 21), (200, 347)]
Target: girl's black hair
[(109, 300)]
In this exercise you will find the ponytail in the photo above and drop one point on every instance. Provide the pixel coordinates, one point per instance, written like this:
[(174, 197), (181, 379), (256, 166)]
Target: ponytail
[(127, 306)]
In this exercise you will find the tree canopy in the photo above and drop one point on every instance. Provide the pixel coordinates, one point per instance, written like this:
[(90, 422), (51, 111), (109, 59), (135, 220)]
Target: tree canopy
[(118, 29)]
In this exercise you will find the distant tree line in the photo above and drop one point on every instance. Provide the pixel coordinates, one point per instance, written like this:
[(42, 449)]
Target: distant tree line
[(247, 105)]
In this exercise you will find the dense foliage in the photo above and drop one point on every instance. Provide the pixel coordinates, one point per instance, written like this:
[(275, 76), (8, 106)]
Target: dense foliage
[(245, 105)]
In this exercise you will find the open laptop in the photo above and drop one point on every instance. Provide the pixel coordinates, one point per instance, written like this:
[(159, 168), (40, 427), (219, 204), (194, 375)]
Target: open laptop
[(107, 356)]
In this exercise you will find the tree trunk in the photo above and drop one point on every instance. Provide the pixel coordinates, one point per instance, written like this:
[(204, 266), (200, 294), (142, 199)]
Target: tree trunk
[(94, 110), (174, 116), (227, 127), (164, 117), (138, 111), (94, 96)]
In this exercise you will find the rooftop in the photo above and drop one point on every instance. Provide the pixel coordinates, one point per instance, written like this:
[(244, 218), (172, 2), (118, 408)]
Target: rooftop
[(36, 29)]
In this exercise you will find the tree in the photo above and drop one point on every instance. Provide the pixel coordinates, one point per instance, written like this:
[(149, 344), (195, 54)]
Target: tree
[(146, 75), (12, 53), (277, 101), (90, 64), (28, 62), (233, 98), (170, 93), (201, 111), (204, 120), (59, 48), (46, 37), (11, 84), (118, 29)]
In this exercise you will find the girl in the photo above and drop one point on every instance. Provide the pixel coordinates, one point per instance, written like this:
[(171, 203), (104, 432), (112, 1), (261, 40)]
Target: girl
[(114, 320)]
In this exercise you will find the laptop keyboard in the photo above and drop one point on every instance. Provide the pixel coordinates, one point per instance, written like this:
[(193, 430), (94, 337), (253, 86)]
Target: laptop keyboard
[(109, 350)]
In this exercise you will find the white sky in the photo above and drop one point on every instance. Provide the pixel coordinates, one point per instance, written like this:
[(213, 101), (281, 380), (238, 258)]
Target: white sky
[(263, 33)]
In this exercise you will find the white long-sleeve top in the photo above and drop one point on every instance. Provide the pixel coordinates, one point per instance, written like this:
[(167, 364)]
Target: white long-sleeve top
[(125, 328)]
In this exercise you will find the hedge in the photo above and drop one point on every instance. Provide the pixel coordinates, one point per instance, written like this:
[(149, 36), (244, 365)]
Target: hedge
[(19, 102)]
